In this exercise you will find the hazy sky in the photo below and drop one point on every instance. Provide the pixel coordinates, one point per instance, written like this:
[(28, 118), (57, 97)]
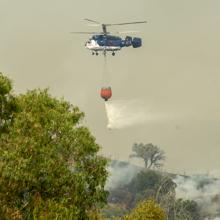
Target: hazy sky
[(175, 73)]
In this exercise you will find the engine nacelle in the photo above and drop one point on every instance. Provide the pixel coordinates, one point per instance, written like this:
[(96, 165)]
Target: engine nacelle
[(128, 41), (136, 42)]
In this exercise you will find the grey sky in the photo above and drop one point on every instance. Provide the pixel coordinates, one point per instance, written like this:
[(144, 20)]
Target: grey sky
[(176, 72)]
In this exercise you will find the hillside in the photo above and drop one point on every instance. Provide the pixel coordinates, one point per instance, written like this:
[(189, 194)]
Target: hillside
[(193, 196)]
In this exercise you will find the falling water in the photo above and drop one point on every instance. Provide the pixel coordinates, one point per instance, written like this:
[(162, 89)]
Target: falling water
[(122, 113)]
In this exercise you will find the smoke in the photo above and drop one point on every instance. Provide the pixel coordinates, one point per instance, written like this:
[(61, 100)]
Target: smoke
[(122, 113), (120, 173), (204, 189)]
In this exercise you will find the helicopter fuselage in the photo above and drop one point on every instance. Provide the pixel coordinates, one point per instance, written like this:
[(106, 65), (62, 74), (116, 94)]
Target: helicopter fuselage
[(111, 43)]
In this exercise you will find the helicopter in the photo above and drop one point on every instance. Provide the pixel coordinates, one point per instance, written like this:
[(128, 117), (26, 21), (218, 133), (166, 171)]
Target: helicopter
[(104, 41)]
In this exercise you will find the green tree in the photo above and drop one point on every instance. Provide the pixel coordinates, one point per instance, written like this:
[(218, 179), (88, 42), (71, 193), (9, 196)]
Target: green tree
[(49, 167), (147, 210), (7, 103), (151, 154), (186, 209), (112, 211), (146, 179)]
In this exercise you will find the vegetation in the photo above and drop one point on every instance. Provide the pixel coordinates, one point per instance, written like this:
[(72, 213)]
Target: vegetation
[(49, 167), (145, 185), (148, 184), (187, 209), (151, 154), (8, 104), (147, 210), (112, 211)]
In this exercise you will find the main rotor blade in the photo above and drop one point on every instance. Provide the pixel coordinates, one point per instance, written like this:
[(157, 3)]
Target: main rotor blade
[(86, 33), (126, 32), (136, 22), (94, 25), (92, 21)]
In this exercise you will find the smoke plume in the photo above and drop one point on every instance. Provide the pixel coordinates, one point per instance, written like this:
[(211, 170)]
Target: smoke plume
[(205, 190), (120, 173)]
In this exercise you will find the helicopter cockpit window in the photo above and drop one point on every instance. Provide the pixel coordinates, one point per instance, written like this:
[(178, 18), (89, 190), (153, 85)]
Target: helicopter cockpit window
[(98, 37), (113, 38)]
